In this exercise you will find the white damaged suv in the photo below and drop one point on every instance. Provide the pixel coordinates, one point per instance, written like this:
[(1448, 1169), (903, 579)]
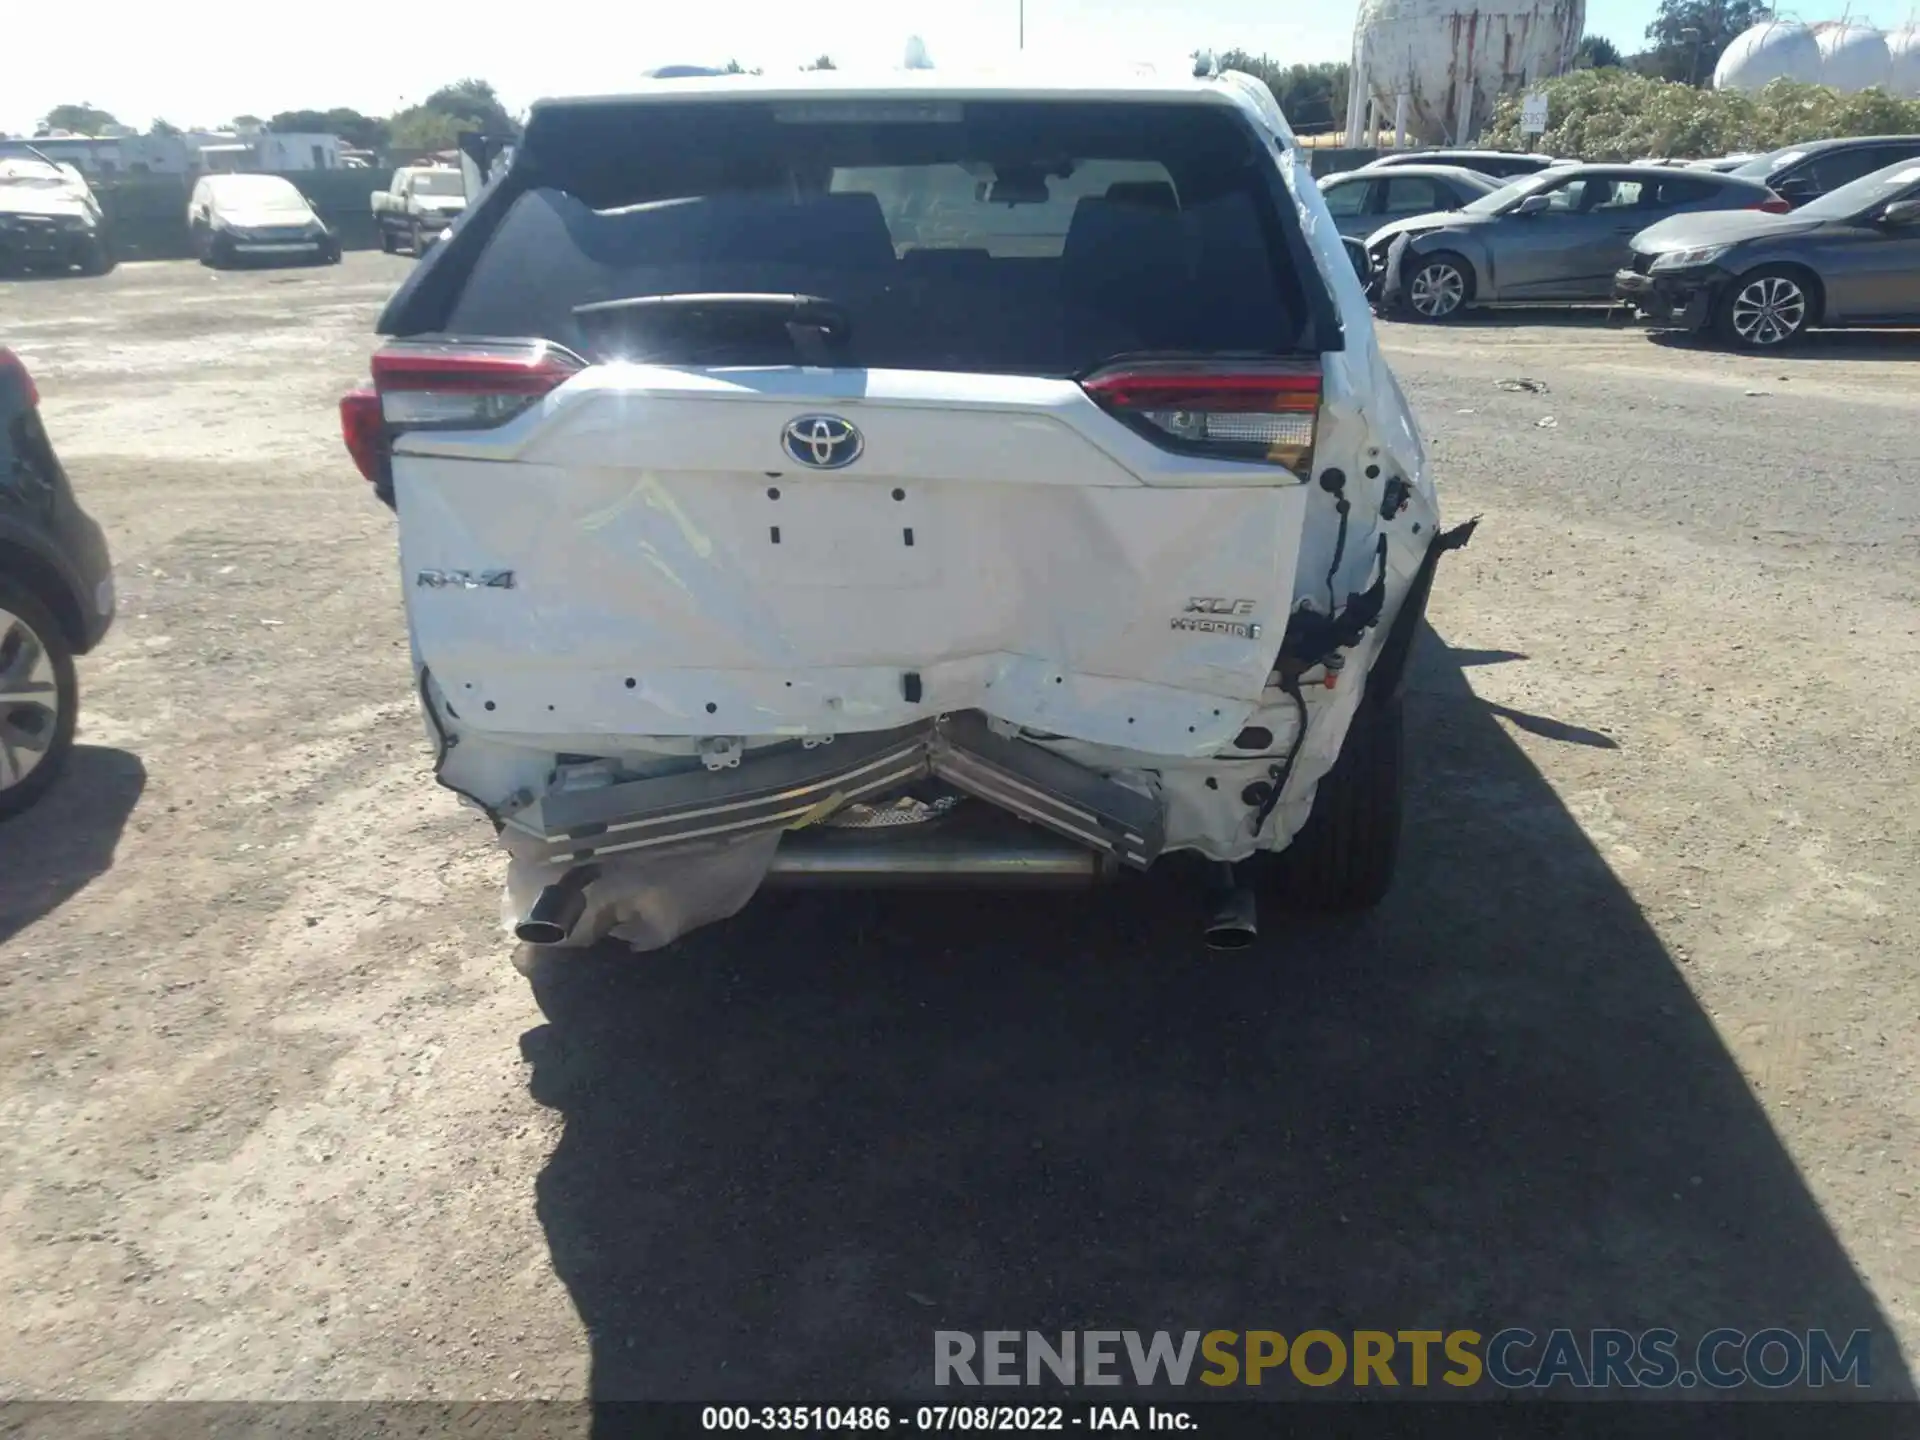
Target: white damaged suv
[(918, 480)]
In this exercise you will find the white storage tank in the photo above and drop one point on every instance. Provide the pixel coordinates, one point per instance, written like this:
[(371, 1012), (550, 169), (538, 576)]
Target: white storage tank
[(1853, 57), (1454, 61), (1772, 50), (1903, 57)]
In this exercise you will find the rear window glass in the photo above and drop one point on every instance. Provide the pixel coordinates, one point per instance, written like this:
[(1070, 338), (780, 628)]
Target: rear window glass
[(1039, 238)]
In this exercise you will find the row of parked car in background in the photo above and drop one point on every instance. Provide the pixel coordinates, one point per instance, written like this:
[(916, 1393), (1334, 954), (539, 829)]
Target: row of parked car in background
[(1755, 249), (52, 222)]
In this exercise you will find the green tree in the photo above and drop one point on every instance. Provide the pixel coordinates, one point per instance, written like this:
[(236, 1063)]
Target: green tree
[(1688, 36), (162, 127), (420, 131), (1596, 52), (823, 62), (248, 122), (1312, 97), (82, 119), (436, 122), (363, 132), (1620, 115)]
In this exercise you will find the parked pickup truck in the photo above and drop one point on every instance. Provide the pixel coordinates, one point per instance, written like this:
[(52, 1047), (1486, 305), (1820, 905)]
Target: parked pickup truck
[(417, 206)]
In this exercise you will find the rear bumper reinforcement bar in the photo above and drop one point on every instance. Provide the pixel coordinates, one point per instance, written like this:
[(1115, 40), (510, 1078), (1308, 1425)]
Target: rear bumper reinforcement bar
[(797, 787)]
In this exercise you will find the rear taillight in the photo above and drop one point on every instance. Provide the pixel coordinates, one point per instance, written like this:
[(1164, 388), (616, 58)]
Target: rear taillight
[(1264, 413), (12, 364), (1774, 205), (446, 385), (364, 431)]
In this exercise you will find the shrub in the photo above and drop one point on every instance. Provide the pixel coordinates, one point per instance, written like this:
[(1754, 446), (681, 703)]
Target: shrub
[(1618, 115)]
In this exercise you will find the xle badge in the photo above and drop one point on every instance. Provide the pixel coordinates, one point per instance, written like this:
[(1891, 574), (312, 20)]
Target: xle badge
[(1216, 615)]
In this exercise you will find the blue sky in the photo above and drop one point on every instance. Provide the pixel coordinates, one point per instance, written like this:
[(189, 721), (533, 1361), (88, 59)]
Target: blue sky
[(204, 67)]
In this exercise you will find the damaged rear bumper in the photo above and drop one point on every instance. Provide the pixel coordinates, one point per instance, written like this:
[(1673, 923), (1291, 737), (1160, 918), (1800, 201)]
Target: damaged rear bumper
[(799, 786)]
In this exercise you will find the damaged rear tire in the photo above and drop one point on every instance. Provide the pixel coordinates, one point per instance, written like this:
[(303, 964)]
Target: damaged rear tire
[(1343, 858)]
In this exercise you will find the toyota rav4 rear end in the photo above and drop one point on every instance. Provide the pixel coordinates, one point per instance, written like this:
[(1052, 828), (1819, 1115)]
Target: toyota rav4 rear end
[(916, 481)]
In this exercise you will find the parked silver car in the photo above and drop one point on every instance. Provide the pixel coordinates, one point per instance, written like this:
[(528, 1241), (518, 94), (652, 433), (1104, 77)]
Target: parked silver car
[(1558, 236), (1361, 201)]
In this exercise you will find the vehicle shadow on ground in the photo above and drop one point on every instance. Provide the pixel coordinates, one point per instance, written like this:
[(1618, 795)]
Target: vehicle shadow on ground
[(1814, 345), (53, 851), (799, 1143), (1570, 317)]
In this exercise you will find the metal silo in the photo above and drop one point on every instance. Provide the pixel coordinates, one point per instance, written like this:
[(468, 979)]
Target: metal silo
[(1853, 57), (1454, 61), (1903, 55), (1771, 50)]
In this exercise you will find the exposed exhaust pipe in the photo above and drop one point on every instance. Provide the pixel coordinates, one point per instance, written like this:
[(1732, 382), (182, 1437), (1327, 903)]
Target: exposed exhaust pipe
[(872, 859), (1233, 922), (557, 908)]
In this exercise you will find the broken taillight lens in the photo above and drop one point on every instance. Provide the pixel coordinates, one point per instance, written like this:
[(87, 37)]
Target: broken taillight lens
[(1260, 412), (445, 385)]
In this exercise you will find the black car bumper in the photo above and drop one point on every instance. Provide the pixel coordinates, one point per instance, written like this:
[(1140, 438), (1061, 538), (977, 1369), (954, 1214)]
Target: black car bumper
[(28, 245), (1683, 300)]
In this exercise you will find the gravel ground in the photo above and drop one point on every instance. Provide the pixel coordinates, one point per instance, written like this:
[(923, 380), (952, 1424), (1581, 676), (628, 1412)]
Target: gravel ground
[(1633, 1043)]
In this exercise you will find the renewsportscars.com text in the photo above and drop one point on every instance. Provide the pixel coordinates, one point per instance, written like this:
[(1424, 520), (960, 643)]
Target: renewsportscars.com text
[(1512, 1358)]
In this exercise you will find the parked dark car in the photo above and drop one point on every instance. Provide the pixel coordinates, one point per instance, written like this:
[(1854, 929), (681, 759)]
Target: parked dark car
[(1800, 173), (1500, 164), (1364, 200), (1557, 237), (56, 595), (1852, 257)]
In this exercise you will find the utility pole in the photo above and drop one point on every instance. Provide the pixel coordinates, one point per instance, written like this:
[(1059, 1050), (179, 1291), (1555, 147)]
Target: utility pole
[(1693, 65), (1023, 24)]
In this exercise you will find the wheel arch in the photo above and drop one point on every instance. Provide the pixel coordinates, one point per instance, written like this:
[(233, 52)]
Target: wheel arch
[(43, 580)]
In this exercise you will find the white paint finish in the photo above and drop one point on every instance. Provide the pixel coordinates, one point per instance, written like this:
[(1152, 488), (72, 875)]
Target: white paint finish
[(1048, 604), (1049, 79), (1017, 429)]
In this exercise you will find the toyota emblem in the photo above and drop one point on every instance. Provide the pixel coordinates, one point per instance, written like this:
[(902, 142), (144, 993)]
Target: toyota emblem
[(822, 442)]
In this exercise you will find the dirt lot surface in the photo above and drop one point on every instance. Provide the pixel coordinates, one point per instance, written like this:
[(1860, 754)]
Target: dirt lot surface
[(1634, 1042)]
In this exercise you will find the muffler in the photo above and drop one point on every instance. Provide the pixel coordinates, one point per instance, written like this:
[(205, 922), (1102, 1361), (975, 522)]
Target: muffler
[(873, 859), (557, 908), (1233, 923)]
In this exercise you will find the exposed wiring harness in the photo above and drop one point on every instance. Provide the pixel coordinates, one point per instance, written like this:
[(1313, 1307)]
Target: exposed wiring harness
[(1281, 773)]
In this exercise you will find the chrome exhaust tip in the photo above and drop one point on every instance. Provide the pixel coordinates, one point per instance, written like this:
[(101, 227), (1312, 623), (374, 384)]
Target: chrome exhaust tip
[(1234, 921), (557, 908)]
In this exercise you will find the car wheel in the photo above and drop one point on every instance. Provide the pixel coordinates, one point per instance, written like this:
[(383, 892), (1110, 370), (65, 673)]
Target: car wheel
[(386, 239), (1343, 858), (1766, 309), (98, 257), (39, 699), (1437, 287), (419, 241)]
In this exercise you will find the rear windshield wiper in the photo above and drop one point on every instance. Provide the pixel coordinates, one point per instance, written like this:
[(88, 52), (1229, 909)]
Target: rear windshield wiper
[(709, 326)]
